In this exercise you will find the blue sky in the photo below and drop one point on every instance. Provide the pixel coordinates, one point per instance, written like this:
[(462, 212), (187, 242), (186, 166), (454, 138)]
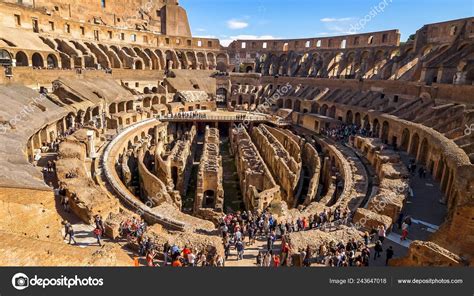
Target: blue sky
[(268, 19)]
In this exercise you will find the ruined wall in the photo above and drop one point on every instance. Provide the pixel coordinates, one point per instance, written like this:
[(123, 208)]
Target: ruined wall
[(313, 164), (259, 189), (209, 191), (180, 160), (427, 254), (152, 187), (282, 165), (86, 199)]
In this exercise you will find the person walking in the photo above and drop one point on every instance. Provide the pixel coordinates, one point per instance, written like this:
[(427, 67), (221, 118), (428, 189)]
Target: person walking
[(240, 250), (378, 249), (381, 233), (404, 231), (98, 233), (71, 234)]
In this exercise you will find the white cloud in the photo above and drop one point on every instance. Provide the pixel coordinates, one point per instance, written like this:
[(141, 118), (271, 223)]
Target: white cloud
[(200, 30), (206, 36), (227, 41), (333, 20), (236, 24), (338, 26)]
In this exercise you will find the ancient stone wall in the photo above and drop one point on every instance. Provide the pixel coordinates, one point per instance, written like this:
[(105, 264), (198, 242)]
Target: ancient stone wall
[(259, 189), (180, 160), (282, 165), (209, 190)]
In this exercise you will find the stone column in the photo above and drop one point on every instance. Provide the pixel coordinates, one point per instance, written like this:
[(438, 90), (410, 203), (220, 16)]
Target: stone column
[(91, 144)]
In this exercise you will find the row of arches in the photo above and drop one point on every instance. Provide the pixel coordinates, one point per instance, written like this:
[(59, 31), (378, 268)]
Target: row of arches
[(326, 64), (36, 59), (89, 54)]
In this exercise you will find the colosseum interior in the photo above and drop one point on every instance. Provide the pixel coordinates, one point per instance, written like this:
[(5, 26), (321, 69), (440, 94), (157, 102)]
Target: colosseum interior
[(123, 114)]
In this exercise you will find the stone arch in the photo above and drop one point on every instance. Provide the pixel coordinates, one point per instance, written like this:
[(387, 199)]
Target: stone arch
[(405, 139), (147, 102), (21, 59), (297, 106), (5, 58), (376, 128), (51, 61), (163, 100), (138, 65), (201, 61), (191, 59), (129, 105), (222, 60), (385, 131), (314, 108), (366, 123), (424, 151), (357, 119), (332, 112), (112, 108), (324, 110), (121, 107), (37, 60), (349, 117), (439, 171), (415, 144), (288, 104), (211, 60)]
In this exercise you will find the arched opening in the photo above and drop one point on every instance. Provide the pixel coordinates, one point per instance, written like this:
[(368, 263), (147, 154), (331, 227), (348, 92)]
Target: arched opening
[(37, 60), (129, 105), (366, 123), (248, 69), (138, 65), (297, 106), (357, 120), (405, 140), (21, 59), (112, 108), (5, 58), (324, 110), (52, 61), (385, 131), (332, 112), (314, 108), (209, 199), (415, 142), (349, 117), (280, 103), (121, 107), (439, 171), (376, 128), (423, 155), (288, 104), (147, 102)]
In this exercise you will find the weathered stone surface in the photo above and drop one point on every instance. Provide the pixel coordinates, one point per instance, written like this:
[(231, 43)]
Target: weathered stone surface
[(315, 238), (366, 219), (427, 254)]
